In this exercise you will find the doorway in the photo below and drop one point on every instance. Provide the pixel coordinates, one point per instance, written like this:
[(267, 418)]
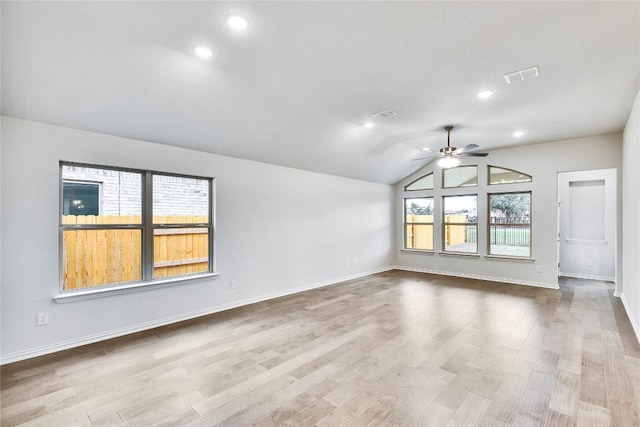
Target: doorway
[(587, 224)]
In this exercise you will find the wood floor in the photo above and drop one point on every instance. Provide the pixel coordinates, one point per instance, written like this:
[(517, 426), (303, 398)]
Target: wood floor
[(395, 348)]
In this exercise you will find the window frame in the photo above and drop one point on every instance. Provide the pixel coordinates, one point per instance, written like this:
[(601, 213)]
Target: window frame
[(508, 225), (405, 223), (146, 228), (444, 224)]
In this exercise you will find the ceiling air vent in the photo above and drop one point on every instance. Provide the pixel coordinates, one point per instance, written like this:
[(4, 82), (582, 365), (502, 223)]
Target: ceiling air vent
[(526, 74), (384, 114)]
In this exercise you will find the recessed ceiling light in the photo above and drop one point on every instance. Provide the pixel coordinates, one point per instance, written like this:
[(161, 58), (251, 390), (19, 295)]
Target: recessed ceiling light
[(518, 133), (485, 94), (368, 125), (237, 21), (203, 52)]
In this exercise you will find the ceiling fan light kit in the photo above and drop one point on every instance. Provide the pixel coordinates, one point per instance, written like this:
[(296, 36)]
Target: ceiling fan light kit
[(448, 162)]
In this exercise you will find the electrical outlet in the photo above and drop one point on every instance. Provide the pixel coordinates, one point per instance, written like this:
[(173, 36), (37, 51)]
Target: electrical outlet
[(589, 263), (42, 318), (538, 269), (232, 284)]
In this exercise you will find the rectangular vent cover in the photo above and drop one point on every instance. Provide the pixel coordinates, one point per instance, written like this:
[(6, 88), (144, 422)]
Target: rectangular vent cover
[(526, 74), (384, 114)]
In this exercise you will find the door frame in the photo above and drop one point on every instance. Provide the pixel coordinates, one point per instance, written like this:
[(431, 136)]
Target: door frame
[(616, 226)]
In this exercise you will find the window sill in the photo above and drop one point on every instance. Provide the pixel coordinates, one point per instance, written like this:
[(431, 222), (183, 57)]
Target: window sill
[(509, 258), (418, 251), (462, 254), (81, 295)]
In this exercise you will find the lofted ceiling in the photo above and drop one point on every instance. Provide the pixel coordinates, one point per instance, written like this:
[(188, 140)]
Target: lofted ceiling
[(296, 87)]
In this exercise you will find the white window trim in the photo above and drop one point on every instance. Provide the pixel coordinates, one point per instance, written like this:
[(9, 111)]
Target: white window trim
[(127, 288)]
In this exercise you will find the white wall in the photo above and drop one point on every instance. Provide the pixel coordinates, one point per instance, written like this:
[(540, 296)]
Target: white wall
[(278, 230), (631, 216), (543, 162)]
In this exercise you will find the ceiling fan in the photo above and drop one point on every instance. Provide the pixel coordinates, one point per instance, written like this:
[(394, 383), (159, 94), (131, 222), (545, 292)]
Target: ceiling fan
[(448, 154)]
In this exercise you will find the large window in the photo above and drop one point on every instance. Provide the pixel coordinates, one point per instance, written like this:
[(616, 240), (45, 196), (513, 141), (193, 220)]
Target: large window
[(460, 223), (418, 223), (132, 226), (510, 224)]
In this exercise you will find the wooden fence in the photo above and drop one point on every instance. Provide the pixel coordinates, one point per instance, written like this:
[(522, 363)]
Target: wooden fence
[(420, 236), (100, 257)]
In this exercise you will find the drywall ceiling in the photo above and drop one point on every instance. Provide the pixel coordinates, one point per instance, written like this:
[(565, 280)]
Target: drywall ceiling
[(295, 88)]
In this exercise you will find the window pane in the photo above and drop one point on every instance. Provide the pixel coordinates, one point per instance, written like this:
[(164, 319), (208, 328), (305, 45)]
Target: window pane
[(100, 257), (461, 238), (179, 200), (419, 210), (510, 208), (510, 229), (423, 183), (80, 198), (463, 176), (180, 251), (419, 236), (506, 176), (461, 209), (510, 240), (119, 202)]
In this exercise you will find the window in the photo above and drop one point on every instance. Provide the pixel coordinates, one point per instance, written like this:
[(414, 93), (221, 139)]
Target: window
[(181, 225), (119, 226), (80, 198), (423, 183), (506, 176), (460, 224), (418, 221), (462, 176), (510, 224)]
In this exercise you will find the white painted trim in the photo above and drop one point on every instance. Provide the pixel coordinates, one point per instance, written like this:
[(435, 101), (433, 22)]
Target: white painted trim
[(617, 294), (475, 276), (72, 296), (633, 320), (41, 351), (587, 276)]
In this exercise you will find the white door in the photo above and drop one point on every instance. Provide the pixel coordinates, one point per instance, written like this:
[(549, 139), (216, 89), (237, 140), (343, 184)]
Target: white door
[(587, 224)]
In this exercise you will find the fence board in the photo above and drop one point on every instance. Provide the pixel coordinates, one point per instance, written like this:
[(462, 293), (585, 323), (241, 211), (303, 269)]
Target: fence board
[(99, 257)]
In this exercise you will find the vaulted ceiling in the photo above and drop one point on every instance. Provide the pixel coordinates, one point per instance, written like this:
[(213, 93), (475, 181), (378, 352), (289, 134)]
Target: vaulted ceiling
[(296, 87)]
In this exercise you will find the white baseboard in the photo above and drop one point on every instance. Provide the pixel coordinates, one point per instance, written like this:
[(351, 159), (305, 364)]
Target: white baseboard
[(53, 348), (632, 319), (475, 276), (587, 276)]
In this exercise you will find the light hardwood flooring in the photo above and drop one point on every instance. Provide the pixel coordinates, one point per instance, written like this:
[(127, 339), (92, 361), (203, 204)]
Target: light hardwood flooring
[(395, 348)]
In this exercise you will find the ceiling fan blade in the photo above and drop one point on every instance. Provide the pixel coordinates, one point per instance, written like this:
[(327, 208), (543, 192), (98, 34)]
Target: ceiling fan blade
[(425, 157), (472, 154), (467, 148)]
